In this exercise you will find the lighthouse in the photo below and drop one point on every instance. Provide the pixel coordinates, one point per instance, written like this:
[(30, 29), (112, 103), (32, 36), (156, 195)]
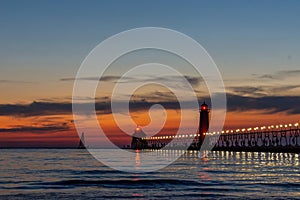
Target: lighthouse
[(203, 122)]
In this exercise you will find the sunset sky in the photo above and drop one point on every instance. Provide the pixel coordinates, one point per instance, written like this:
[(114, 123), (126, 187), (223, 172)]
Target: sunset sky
[(255, 45)]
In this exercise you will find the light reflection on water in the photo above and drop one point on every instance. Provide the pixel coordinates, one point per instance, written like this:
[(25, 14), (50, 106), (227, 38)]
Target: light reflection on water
[(52, 174)]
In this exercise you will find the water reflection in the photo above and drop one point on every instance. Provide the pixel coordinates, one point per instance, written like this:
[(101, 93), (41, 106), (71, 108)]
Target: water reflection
[(137, 160), (267, 158), (70, 173)]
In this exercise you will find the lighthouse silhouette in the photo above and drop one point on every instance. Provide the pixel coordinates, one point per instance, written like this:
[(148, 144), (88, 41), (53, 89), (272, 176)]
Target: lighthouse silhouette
[(203, 122)]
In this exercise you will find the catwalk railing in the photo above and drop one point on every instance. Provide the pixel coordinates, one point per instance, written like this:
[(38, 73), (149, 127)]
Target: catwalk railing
[(279, 138)]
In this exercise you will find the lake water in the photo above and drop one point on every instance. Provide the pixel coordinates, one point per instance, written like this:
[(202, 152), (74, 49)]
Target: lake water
[(75, 174)]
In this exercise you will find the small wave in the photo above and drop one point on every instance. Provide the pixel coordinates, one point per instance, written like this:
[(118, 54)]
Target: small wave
[(97, 172), (123, 183), (283, 184), (79, 172)]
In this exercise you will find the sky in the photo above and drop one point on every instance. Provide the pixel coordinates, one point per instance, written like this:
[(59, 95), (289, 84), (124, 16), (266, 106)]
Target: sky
[(255, 45)]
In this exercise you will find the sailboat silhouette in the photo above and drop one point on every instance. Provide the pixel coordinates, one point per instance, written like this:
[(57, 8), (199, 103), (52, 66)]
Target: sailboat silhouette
[(81, 142)]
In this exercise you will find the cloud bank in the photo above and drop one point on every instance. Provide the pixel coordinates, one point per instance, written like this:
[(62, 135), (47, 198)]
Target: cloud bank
[(235, 103)]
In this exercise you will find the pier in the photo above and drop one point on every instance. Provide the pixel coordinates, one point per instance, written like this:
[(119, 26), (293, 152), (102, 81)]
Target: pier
[(271, 138)]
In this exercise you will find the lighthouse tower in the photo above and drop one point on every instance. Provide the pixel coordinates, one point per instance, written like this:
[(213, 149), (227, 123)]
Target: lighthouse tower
[(203, 122)]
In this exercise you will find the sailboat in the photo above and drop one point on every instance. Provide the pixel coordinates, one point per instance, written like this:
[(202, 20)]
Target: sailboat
[(81, 142)]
